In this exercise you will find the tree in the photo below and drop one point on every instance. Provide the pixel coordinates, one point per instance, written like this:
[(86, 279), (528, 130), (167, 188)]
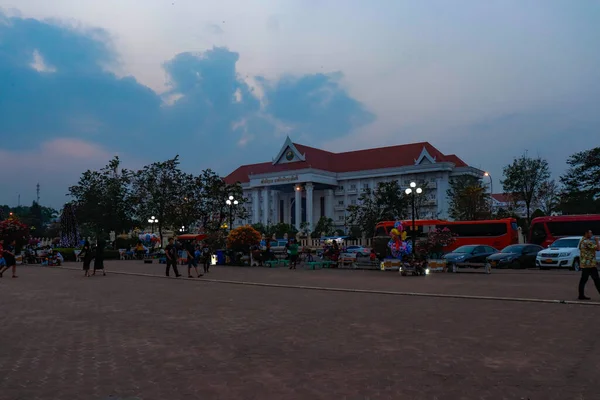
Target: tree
[(386, 202), (160, 190), (242, 238), (524, 178), (13, 229), (548, 197), (103, 198), (69, 231), (324, 227), (468, 198), (205, 201), (581, 183)]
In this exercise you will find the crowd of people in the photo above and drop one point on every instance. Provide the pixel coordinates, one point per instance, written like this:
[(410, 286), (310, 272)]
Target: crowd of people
[(194, 253)]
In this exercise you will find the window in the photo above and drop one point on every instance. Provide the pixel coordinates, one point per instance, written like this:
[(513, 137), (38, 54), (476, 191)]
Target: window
[(474, 230), (572, 228), (381, 231), (365, 185), (340, 217), (340, 188), (353, 202), (322, 205), (352, 187), (340, 202), (538, 233)]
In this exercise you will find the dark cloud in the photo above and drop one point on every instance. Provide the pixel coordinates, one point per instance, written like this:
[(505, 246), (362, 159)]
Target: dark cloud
[(207, 111)]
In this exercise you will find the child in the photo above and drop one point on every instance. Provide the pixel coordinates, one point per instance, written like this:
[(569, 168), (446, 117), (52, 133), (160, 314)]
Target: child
[(373, 256)]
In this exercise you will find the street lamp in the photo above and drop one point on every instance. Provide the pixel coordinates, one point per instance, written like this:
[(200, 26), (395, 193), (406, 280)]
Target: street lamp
[(182, 229), (231, 202), (412, 191), (153, 220), (491, 192)]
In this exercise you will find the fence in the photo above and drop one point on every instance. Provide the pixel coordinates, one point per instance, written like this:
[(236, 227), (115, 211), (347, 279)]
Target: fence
[(314, 243)]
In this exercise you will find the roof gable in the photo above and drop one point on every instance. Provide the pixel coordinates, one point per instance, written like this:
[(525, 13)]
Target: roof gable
[(425, 157), (288, 153)]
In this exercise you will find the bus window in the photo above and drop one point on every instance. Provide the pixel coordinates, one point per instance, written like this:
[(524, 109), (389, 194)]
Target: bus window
[(538, 234), (514, 226), (381, 231), (477, 230), (572, 228)]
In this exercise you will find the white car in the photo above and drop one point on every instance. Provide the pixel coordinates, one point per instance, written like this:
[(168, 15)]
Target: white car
[(563, 253), (360, 251)]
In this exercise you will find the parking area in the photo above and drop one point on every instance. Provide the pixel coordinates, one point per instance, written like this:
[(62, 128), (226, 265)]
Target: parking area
[(136, 336)]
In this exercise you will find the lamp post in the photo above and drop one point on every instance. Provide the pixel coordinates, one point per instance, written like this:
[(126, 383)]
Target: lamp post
[(182, 229), (412, 191), (491, 192), (152, 221), (231, 202)]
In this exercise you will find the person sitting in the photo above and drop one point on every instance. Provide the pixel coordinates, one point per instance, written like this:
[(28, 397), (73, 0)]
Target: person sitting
[(140, 251)]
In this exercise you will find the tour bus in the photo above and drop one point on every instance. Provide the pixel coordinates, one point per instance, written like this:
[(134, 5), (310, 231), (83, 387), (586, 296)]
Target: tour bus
[(545, 230), (497, 233)]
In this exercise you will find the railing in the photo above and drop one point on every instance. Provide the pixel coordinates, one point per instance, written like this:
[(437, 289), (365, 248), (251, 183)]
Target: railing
[(316, 243)]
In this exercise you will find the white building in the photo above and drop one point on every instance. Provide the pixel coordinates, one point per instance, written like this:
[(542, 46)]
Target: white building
[(302, 184), (505, 201)]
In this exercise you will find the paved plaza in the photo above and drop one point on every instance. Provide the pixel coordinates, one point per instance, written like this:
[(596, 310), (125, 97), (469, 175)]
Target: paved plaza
[(131, 335)]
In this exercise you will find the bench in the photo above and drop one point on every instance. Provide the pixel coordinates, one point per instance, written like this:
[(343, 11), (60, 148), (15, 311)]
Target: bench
[(314, 264)]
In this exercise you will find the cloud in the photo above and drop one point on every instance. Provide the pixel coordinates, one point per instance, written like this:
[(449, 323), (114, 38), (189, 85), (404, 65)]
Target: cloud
[(57, 83), (54, 164)]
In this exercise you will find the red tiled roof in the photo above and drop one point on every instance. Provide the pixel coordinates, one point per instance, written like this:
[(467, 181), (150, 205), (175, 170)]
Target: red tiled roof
[(350, 161), (502, 197)]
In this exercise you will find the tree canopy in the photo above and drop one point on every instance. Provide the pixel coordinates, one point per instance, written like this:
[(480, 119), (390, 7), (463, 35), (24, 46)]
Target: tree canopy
[(581, 183), (468, 198), (386, 203), (523, 179)]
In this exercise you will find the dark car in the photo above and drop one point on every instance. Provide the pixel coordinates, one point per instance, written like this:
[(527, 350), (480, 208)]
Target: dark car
[(515, 256), (472, 253)]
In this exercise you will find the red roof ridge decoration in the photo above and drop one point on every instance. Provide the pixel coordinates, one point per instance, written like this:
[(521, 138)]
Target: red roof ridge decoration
[(396, 156)]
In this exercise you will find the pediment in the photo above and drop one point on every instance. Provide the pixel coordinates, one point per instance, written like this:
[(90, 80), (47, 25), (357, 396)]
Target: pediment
[(425, 158), (288, 154)]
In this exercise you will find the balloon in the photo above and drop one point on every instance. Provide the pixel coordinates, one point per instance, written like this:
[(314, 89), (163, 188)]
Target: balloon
[(148, 237), (404, 235), (395, 232)]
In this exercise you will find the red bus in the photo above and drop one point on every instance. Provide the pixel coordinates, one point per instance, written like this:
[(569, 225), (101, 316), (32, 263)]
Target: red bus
[(545, 230), (497, 233)]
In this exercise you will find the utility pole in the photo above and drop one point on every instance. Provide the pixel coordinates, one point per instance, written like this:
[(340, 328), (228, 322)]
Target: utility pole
[(37, 187)]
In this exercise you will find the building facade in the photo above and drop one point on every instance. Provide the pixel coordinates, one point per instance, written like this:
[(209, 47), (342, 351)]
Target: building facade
[(303, 184), (505, 202)]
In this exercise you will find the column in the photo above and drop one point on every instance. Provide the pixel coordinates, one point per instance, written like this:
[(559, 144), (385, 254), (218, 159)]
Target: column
[(255, 207), (309, 205), (298, 206), (265, 207), (275, 219), (329, 212), (287, 215)]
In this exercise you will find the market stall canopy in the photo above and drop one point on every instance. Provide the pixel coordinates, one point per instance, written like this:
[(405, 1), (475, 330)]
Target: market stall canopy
[(192, 236)]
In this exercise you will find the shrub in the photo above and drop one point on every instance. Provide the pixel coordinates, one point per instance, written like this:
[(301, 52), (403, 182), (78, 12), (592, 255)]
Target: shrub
[(242, 238), (67, 253)]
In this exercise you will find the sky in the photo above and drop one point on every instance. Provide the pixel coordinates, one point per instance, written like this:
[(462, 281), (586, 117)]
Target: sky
[(223, 83)]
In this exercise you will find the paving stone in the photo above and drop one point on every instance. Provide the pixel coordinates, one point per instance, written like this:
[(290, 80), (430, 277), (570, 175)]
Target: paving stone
[(130, 337)]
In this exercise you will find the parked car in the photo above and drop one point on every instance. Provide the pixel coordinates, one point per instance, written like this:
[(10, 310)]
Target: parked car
[(360, 251), (515, 256), (472, 253), (563, 253), (277, 246)]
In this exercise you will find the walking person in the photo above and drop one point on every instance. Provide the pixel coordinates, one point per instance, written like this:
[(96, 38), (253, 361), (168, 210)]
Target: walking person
[(99, 259), (171, 253), (587, 257), (88, 256), (190, 249), (10, 259), (206, 258), (293, 251)]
